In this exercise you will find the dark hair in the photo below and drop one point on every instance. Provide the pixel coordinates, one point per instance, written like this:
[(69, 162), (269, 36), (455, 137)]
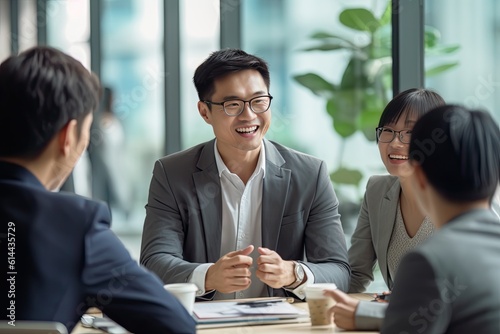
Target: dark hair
[(223, 62), (412, 102), (41, 90), (459, 152)]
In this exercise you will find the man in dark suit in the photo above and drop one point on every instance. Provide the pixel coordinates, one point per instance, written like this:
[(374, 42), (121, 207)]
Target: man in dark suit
[(59, 255), (241, 216)]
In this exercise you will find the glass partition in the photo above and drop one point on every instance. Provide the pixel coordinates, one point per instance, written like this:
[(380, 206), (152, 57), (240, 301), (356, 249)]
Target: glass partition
[(4, 30), (474, 26), (199, 36), (129, 132), (68, 28)]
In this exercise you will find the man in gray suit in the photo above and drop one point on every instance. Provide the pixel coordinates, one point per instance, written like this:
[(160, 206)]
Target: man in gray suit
[(241, 216), (450, 283)]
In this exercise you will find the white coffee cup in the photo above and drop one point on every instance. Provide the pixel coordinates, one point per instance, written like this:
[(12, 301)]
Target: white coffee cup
[(184, 292), (318, 303)]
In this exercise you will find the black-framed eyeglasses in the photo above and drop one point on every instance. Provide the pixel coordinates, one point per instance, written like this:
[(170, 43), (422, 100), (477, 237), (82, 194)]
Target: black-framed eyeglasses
[(234, 107), (387, 135)]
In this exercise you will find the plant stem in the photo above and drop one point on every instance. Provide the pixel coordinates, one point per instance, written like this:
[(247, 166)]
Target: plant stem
[(341, 153)]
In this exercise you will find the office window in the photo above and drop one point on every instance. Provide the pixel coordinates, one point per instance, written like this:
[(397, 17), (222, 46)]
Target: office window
[(4, 30), (475, 27), (124, 143), (132, 69), (68, 28), (199, 36), (27, 25)]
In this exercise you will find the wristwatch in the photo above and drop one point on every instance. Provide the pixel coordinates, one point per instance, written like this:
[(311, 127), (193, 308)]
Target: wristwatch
[(299, 275)]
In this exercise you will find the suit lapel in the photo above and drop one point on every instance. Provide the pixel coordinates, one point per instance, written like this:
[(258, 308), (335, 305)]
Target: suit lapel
[(388, 208), (274, 197), (208, 191)]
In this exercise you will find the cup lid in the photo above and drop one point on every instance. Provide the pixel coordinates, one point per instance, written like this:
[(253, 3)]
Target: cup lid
[(321, 286), (315, 290), (187, 287)]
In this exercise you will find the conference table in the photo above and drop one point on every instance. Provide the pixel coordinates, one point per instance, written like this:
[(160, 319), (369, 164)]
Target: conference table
[(280, 328)]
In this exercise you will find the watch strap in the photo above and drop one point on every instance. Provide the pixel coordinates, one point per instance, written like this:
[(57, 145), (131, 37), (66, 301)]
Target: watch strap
[(298, 279)]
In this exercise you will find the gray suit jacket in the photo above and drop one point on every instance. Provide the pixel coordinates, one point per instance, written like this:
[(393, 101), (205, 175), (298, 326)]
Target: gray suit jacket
[(371, 237), (449, 284), (495, 202), (300, 220)]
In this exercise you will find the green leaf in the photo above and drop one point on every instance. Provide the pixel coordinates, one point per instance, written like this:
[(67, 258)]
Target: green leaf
[(382, 42), (333, 39), (442, 50), (431, 37), (386, 16), (376, 69), (346, 176), (355, 75), (440, 68), (359, 19), (316, 84), (323, 35), (374, 102), (344, 109), (344, 128), (345, 105), (368, 122), (341, 45)]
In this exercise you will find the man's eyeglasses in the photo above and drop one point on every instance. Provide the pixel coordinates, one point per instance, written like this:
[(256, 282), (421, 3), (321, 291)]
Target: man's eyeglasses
[(234, 107), (387, 135)]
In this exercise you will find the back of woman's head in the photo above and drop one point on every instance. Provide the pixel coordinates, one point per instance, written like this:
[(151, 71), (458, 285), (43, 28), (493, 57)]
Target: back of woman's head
[(413, 103), (459, 152)]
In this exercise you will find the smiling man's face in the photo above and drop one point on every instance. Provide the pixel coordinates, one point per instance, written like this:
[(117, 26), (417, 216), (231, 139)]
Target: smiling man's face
[(242, 133)]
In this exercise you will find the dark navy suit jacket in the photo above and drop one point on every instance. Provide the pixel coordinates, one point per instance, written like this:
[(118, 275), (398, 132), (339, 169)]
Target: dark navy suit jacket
[(59, 257)]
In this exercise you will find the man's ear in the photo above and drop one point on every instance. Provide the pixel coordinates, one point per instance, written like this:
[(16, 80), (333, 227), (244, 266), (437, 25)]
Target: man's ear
[(67, 137), (204, 111)]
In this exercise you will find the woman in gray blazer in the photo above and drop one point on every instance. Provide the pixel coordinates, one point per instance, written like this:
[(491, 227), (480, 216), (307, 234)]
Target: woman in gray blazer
[(390, 223), (448, 284)]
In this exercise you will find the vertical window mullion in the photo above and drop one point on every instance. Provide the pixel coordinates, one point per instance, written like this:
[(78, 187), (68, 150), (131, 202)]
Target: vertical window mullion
[(171, 46), (407, 44), (230, 24)]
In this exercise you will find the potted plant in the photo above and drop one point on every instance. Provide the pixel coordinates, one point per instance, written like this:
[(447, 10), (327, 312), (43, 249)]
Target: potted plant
[(356, 102)]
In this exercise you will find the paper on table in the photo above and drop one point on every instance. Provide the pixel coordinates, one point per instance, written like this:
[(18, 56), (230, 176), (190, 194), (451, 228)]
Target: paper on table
[(231, 311), (274, 308)]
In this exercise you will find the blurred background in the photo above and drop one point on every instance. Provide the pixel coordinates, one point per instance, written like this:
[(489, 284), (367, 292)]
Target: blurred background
[(334, 64)]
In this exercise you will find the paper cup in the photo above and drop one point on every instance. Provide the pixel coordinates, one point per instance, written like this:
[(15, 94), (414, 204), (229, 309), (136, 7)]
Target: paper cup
[(185, 293), (319, 304)]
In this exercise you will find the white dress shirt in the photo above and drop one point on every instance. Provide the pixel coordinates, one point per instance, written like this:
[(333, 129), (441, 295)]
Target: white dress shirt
[(242, 218)]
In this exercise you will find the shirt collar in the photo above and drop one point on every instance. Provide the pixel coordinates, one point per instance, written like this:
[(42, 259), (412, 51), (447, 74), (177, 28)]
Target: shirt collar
[(261, 165)]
